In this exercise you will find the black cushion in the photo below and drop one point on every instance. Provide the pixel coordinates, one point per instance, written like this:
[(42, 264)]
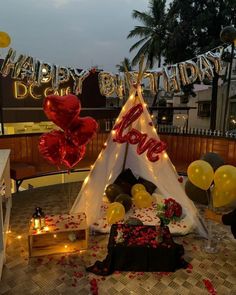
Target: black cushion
[(126, 180)]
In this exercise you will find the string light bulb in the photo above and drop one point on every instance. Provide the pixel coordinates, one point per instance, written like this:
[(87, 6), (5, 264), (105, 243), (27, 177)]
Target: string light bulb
[(131, 96), (110, 176), (165, 156), (86, 180)]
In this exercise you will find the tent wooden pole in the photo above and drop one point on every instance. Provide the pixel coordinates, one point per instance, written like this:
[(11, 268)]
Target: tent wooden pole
[(127, 144), (134, 90)]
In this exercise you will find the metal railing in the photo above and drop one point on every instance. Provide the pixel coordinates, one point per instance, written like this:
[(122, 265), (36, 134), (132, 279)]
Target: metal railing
[(194, 131), (18, 182)]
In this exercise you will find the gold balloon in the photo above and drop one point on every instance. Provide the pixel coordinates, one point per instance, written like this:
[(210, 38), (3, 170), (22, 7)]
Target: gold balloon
[(188, 72), (215, 58), (205, 68), (136, 188), (225, 178), (142, 199), (5, 40), (106, 83), (201, 174), (171, 78), (115, 212), (222, 198)]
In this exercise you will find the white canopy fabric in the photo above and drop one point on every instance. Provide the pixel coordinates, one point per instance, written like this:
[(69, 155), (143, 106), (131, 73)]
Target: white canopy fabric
[(109, 165)]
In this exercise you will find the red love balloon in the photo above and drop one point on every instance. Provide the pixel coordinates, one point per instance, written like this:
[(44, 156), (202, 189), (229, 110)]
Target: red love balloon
[(50, 146), (67, 148), (82, 130), (72, 154), (61, 109)]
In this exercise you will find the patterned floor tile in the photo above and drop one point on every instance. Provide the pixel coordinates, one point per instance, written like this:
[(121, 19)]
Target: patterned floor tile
[(52, 275)]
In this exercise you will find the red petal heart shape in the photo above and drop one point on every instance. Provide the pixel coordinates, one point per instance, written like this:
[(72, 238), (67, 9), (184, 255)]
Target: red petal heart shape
[(82, 130), (61, 109), (51, 146)]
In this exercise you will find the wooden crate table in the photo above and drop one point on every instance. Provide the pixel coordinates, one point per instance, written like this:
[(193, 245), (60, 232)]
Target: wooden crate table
[(63, 233)]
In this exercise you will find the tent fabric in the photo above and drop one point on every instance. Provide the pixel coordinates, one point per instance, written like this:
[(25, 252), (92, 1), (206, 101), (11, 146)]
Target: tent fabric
[(109, 164)]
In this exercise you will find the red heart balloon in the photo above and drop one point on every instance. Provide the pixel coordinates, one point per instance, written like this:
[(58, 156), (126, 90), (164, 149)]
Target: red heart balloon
[(50, 146), (61, 109), (82, 130), (73, 154)]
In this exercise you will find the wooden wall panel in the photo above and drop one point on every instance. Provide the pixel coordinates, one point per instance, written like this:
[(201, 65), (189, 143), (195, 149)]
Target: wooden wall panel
[(182, 149), (191, 148)]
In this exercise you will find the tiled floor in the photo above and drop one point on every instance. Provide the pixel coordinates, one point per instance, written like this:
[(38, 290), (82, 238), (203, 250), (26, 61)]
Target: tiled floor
[(65, 274)]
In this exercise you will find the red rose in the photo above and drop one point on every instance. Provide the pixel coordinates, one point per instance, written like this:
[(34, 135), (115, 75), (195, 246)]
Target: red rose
[(178, 210), (169, 213)]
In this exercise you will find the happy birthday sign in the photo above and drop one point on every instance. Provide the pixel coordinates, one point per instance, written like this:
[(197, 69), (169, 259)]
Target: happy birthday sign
[(37, 72)]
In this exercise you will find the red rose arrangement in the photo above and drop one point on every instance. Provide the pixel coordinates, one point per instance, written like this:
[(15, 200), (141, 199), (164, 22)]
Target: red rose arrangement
[(142, 236), (169, 210)]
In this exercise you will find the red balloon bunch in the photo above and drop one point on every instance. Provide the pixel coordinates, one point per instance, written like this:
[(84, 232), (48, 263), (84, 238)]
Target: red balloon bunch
[(66, 147)]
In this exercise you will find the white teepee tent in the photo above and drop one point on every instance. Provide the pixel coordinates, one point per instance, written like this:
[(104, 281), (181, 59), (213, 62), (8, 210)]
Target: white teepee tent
[(109, 165)]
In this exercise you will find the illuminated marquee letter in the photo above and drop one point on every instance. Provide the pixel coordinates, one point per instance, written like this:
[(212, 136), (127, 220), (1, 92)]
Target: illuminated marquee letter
[(20, 90), (32, 93)]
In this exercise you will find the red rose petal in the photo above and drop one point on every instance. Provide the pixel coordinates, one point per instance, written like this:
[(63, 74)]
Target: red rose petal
[(210, 288)]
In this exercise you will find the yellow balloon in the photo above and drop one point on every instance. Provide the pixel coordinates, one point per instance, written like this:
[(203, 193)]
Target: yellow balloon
[(136, 188), (142, 199), (201, 174), (5, 40), (115, 212), (225, 178), (222, 198)]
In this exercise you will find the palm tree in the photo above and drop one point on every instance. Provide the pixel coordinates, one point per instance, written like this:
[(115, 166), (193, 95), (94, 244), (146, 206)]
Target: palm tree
[(125, 64), (122, 67), (151, 34)]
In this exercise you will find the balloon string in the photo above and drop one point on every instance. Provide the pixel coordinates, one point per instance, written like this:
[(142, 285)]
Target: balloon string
[(210, 207)]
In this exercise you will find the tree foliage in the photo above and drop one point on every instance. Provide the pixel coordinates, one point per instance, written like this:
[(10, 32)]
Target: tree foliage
[(151, 32), (185, 29), (125, 64), (194, 27)]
